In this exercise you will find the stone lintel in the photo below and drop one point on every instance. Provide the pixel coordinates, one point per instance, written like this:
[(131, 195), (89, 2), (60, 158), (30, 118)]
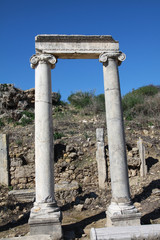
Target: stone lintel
[(75, 46)]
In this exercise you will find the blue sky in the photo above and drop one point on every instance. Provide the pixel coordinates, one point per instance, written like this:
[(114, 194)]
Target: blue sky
[(134, 23)]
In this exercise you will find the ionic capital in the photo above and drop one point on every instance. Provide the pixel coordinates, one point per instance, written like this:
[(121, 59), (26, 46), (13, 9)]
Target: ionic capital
[(43, 58), (114, 55)]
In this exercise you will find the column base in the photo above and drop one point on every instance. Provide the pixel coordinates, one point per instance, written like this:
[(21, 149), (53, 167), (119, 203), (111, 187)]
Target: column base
[(122, 214), (45, 218)]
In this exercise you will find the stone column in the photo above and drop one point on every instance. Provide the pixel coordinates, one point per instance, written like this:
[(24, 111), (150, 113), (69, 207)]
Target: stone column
[(45, 216), (121, 211)]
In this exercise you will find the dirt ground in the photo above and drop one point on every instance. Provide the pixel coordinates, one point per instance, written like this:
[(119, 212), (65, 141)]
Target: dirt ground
[(76, 223)]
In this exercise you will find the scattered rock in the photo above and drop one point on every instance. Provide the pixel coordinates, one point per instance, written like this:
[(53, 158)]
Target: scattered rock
[(78, 207), (72, 155)]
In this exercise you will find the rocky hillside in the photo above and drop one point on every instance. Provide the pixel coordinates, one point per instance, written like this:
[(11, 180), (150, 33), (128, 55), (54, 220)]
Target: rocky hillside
[(83, 204)]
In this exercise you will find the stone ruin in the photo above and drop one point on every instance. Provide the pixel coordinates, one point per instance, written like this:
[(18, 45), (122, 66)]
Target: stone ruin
[(45, 216), (12, 98)]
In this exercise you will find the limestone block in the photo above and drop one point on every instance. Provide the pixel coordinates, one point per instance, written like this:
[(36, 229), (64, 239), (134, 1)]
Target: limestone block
[(4, 160), (75, 46), (16, 162), (24, 171), (143, 166), (23, 195), (65, 186), (22, 180), (35, 237), (14, 182), (101, 158), (99, 135), (127, 233)]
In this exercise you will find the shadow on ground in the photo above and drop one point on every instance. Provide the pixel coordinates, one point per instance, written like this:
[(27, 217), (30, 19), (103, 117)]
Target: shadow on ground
[(14, 223), (146, 219), (78, 227), (147, 191), (150, 162)]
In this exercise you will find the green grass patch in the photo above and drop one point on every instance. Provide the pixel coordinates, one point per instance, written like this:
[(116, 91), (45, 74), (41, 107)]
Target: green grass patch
[(58, 135)]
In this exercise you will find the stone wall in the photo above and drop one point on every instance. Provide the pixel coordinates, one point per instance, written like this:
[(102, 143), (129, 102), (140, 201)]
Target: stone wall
[(22, 168), (69, 163)]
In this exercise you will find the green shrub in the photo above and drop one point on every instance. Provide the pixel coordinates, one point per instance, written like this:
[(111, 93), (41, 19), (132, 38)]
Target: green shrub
[(87, 102), (100, 102), (56, 100), (27, 118), (28, 114), (149, 90), (25, 121), (130, 100), (81, 99), (140, 102)]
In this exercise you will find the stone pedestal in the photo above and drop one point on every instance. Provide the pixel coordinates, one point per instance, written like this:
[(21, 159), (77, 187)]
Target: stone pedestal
[(122, 214), (45, 217), (121, 206)]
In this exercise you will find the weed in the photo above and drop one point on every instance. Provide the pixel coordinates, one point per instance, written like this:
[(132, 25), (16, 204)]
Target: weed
[(19, 142), (1, 123), (57, 109), (25, 121), (28, 114), (59, 115), (27, 118), (10, 120), (10, 188), (150, 123), (71, 132), (58, 135), (86, 135)]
